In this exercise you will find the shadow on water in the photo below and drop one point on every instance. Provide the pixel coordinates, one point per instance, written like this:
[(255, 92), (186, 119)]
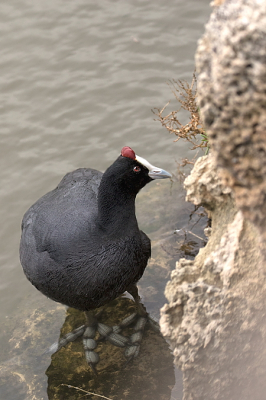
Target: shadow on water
[(149, 376)]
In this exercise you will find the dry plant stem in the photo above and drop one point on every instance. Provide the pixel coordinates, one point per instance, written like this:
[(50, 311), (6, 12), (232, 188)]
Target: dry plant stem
[(186, 95), (196, 236), (85, 391), (181, 174)]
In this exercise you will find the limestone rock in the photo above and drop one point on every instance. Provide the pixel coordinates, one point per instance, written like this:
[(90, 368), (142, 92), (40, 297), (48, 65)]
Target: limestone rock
[(231, 63), (215, 318), (204, 187)]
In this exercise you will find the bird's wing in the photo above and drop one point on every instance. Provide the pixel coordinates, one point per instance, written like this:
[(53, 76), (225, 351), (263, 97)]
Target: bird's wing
[(62, 218)]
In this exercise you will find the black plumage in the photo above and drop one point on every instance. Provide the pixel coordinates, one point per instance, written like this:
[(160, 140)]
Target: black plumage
[(81, 244)]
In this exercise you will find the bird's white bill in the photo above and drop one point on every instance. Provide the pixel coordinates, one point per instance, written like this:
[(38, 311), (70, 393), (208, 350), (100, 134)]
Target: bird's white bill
[(154, 172)]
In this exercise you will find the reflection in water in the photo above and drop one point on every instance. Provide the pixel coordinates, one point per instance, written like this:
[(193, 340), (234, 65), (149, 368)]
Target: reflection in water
[(149, 376)]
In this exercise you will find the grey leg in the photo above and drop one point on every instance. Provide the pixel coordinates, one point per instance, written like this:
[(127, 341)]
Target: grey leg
[(141, 318)]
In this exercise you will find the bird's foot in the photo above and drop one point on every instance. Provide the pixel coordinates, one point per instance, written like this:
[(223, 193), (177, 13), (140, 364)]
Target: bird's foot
[(69, 337), (141, 318), (133, 345), (93, 332), (88, 333), (90, 338)]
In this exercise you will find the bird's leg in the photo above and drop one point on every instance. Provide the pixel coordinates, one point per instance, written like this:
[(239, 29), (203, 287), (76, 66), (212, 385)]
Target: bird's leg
[(133, 290), (141, 310), (141, 317)]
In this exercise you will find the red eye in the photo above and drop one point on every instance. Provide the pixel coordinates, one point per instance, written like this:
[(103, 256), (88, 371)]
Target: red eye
[(136, 169)]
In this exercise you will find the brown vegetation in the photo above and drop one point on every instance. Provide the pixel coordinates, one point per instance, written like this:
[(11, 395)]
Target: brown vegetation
[(186, 95)]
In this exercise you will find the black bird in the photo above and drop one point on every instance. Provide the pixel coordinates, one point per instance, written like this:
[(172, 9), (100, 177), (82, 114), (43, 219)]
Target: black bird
[(81, 244)]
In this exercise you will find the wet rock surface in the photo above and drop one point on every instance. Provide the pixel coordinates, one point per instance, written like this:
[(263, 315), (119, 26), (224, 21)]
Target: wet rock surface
[(150, 374), (24, 377)]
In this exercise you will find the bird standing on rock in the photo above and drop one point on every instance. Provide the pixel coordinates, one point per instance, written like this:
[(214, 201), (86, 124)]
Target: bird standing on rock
[(81, 246)]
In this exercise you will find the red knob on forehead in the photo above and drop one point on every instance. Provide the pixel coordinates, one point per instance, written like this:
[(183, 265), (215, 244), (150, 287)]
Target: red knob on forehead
[(128, 152)]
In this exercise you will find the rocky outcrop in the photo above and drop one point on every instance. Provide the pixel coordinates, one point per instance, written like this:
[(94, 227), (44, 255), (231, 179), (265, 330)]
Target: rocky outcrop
[(231, 65), (215, 318)]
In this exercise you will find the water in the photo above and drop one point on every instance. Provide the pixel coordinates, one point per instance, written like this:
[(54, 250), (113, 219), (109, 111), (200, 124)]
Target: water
[(78, 82)]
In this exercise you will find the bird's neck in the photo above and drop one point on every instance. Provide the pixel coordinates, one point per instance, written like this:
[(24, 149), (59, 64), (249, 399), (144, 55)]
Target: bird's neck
[(116, 209)]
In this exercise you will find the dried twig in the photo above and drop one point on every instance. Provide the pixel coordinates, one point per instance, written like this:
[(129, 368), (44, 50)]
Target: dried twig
[(85, 391), (186, 95)]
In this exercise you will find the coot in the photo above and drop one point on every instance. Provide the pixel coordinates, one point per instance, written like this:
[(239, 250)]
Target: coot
[(81, 244)]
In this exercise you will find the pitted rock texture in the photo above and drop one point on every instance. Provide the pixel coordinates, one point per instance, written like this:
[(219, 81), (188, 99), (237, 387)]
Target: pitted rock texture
[(231, 66), (216, 315), (215, 318), (204, 187)]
